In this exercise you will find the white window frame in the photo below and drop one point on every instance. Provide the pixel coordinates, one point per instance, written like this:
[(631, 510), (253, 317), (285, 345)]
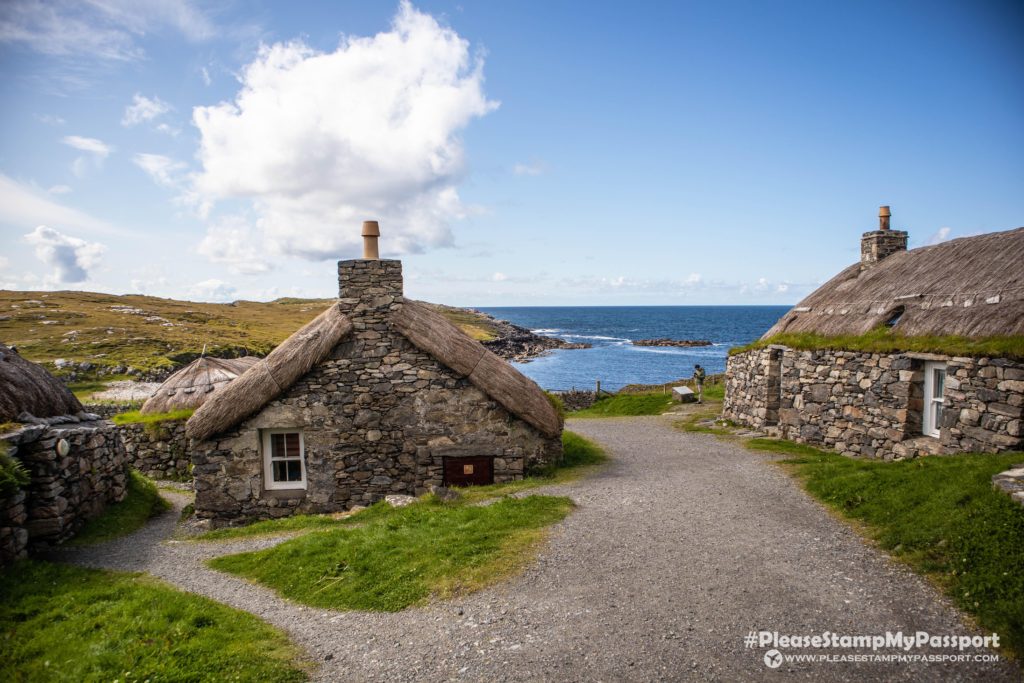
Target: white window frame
[(268, 467), (928, 421)]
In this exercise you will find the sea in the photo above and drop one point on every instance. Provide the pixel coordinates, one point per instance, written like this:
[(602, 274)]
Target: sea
[(614, 361)]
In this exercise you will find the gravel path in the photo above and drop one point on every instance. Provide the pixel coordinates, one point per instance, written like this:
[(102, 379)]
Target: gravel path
[(677, 550)]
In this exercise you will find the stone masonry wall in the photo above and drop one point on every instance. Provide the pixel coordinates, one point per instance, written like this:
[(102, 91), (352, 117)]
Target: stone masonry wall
[(66, 491), (377, 417), (158, 450), (13, 534), (871, 404)]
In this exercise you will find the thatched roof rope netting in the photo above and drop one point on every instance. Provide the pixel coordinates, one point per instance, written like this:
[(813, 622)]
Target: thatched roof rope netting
[(192, 385), (269, 377), (433, 333), (970, 287), (26, 387)]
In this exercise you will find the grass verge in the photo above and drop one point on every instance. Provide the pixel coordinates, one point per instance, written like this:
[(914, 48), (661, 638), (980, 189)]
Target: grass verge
[(64, 623), (404, 556), (142, 503), (938, 514), (627, 405), (136, 417)]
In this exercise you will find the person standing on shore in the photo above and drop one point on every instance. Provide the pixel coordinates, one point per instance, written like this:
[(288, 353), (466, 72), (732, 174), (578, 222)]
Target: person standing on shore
[(698, 379)]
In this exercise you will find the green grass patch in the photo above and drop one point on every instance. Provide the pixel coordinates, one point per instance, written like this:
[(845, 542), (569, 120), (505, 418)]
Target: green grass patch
[(884, 340), (136, 417), (940, 515), (13, 474), (142, 503), (579, 456), (627, 405), (404, 556), (65, 623)]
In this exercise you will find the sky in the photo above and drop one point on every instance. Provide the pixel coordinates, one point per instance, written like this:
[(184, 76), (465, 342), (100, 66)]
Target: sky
[(517, 153)]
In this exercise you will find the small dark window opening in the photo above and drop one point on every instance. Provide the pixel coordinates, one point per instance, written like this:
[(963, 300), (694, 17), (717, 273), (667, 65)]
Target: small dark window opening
[(894, 316)]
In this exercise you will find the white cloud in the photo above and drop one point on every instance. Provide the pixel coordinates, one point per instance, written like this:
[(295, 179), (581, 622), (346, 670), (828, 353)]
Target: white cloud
[(939, 236), (211, 290), (4, 262), (163, 170), (91, 145), (318, 142), (499, 277), (168, 129), (782, 288), (59, 189), (51, 120), (143, 109), (70, 257), (96, 29), (532, 168), (205, 73), (23, 206), (231, 241), (694, 279)]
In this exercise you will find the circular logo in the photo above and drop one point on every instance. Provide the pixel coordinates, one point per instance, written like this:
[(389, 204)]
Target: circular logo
[(773, 659)]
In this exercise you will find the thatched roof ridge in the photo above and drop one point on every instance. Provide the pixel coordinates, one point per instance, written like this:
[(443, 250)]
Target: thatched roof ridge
[(970, 287), (28, 387), (193, 384), (431, 332), (271, 376)]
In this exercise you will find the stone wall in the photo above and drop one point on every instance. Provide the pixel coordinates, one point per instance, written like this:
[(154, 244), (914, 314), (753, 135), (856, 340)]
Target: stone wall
[(13, 534), (378, 417), (871, 404), (66, 491), (159, 450)]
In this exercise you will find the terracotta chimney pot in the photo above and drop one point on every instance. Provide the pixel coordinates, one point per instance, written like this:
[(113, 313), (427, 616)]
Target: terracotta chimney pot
[(371, 231)]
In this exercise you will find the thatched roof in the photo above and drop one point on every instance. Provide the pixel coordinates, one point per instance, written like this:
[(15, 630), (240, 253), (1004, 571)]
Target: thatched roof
[(431, 332), (427, 330), (970, 287), (271, 376), (27, 387), (191, 386)]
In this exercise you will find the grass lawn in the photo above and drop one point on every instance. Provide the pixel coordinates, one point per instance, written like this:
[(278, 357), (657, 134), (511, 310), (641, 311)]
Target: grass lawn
[(938, 514), (142, 502), (626, 405), (404, 556), (64, 623)]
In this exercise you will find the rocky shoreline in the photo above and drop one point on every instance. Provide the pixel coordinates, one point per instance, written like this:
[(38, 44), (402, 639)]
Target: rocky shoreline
[(686, 343), (516, 343)]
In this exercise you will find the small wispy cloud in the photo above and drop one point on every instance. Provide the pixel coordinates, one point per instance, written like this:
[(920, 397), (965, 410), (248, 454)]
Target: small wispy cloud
[(91, 145), (51, 120), (939, 236), (212, 290), (205, 73), (163, 170), (535, 167), (143, 109), (499, 277), (59, 189)]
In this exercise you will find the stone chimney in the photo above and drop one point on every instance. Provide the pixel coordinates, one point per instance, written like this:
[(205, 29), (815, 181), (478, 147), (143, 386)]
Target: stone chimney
[(369, 284), (878, 244)]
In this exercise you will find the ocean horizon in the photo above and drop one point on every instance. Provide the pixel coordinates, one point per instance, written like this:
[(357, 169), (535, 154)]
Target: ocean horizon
[(614, 360)]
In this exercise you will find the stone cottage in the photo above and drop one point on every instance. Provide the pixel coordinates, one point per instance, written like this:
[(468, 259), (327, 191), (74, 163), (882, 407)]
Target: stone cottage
[(894, 405), (377, 395)]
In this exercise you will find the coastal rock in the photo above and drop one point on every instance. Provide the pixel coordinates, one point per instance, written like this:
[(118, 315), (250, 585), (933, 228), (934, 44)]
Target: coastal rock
[(671, 342)]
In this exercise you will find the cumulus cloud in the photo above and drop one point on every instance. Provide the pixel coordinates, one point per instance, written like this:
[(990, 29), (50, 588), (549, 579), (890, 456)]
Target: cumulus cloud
[(70, 257), (96, 29), (231, 241), (211, 290), (143, 109), (318, 142), (163, 170)]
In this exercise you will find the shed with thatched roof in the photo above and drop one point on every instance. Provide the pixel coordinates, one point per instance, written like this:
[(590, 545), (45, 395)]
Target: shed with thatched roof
[(192, 385), (833, 390), (26, 387), (377, 395)]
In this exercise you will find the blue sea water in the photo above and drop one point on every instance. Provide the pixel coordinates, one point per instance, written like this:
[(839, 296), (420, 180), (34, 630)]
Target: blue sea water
[(610, 329)]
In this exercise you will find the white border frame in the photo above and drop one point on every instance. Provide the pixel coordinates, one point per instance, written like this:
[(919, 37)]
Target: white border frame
[(268, 470), (928, 426)]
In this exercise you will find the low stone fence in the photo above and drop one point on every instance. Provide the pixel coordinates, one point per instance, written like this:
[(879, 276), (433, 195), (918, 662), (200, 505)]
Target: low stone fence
[(75, 471), (158, 450), (576, 400)]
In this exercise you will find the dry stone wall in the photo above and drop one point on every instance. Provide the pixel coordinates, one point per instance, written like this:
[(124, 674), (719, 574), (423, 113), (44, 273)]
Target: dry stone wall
[(159, 450), (378, 417), (13, 534), (64, 491), (871, 404)]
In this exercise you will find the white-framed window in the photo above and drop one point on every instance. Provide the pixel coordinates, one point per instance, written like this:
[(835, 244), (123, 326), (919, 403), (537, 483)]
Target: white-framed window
[(284, 459), (934, 386)]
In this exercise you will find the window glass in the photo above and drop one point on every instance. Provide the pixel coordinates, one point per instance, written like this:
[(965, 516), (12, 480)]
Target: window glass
[(939, 382), (286, 457)]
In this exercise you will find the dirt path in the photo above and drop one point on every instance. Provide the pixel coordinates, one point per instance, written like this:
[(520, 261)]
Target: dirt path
[(678, 549)]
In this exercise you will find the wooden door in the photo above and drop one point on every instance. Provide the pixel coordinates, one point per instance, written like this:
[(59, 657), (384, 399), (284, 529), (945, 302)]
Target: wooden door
[(468, 471)]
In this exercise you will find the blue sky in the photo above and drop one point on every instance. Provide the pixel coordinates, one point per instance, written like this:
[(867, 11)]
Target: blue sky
[(526, 153)]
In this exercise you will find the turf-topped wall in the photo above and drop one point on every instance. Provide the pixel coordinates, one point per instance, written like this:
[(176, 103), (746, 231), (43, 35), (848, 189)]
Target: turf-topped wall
[(158, 450), (75, 469), (872, 404)]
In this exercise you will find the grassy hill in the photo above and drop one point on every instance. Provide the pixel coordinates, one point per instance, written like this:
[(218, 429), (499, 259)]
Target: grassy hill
[(151, 335)]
